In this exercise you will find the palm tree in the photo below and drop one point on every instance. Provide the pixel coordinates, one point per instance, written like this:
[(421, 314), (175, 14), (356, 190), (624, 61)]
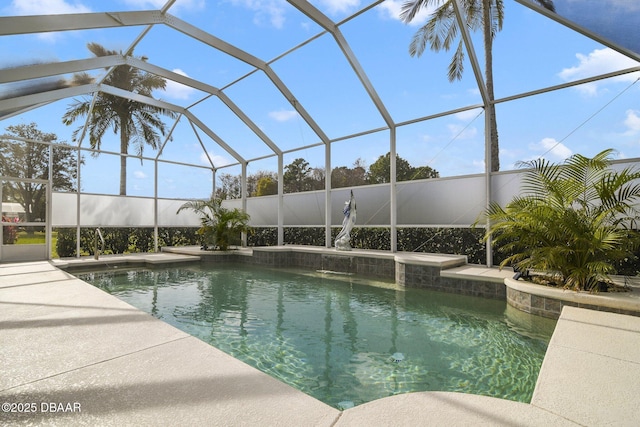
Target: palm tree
[(138, 123), (219, 225), (441, 31), (573, 221)]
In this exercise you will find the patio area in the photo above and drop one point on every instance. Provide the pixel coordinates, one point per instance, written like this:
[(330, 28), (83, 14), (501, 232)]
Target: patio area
[(74, 355)]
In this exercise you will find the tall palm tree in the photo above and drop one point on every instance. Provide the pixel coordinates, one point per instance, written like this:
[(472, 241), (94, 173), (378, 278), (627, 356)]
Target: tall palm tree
[(441, 31), (138, 123)]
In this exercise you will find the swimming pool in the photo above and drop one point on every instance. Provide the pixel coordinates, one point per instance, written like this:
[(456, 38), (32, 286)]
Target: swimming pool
[(341, 339)]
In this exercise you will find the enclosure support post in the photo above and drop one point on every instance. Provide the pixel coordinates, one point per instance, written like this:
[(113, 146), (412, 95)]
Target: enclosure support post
[(155, 205), (487, 173), (280, 199), (393, 214), (486, 101), (243, 237), (327, 191), (1, 225), (78, 164), (49, 201)]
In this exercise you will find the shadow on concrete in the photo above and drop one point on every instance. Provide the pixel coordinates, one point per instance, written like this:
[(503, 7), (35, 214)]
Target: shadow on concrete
[(76, 320), (217, 393)]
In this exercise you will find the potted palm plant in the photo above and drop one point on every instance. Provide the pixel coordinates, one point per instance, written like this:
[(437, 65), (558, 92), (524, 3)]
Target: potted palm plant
[(219, 225), (571, 222)]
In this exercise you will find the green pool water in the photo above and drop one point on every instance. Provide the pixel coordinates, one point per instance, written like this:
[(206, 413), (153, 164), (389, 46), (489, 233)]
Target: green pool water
[(342, 339)]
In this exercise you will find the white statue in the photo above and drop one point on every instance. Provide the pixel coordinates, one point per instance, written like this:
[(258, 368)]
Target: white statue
[(343, 238)]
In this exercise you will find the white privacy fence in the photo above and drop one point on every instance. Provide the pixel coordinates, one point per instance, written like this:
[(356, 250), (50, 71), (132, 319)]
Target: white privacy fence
[(93, 210), (454, 202), (440, 202)]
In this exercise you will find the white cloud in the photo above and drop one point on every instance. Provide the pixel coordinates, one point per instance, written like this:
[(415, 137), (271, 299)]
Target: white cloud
[(478, 164), (272, 11), (462, 131), (630, 6), (283, 115), (632, 122), (393, 8), (426, 137), (474, 91), (552, 147), (139, 175), (47, 7), (217, 160), (339, 6), (468, 115), (177, 90), (600, 61), (158, 4)]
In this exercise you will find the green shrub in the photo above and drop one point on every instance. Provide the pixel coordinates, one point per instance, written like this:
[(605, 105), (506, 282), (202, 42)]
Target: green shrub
[(459, 241), (122, 240), (220, 227), (66, 242), (265, 236), (572, 223), (463, 241), (312, 236)]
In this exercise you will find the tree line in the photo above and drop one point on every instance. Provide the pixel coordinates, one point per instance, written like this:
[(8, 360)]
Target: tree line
[(299, 176)]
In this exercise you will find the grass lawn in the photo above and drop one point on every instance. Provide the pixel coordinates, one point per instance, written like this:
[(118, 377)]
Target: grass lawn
[(38, 238)]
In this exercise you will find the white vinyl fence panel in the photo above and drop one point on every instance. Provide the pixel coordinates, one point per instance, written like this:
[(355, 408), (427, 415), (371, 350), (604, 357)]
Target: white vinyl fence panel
[(455, 202)]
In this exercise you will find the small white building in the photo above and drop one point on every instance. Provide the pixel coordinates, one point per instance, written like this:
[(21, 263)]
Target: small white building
[(12, 210)]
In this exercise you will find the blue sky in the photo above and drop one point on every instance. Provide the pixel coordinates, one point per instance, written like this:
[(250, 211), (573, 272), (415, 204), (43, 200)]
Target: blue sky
[(531, 52)]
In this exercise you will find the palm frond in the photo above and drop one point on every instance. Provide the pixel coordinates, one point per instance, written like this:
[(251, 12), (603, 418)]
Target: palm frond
[(456, 66), (410, 9), (572, 220)]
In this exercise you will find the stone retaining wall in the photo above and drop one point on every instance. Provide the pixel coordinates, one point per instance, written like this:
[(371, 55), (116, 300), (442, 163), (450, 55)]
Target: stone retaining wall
[(548, 302)]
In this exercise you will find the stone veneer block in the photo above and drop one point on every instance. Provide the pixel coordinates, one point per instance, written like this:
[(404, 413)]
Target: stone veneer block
[(548, 302)]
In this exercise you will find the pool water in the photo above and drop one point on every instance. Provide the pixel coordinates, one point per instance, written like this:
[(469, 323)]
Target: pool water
[(341, 339)]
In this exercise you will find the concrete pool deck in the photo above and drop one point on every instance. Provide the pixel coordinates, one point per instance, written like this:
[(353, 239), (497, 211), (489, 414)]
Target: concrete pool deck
[(76, 355)]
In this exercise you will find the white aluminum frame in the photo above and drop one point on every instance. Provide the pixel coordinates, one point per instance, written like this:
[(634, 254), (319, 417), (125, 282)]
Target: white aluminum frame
[(40, 24)]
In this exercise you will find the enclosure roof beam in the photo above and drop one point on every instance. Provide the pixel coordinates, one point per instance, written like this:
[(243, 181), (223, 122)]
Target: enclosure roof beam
[(295, 104), (112, 90), (314, 14), (215, 137), (82, 21), (168, 106), (76, 21), (247, 121), (475, 65), (578, 28), (213, 41), (321, 19), (48, 70), (196, 84), (247, 58), (55, 95), (44, 97), (36, 71)]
